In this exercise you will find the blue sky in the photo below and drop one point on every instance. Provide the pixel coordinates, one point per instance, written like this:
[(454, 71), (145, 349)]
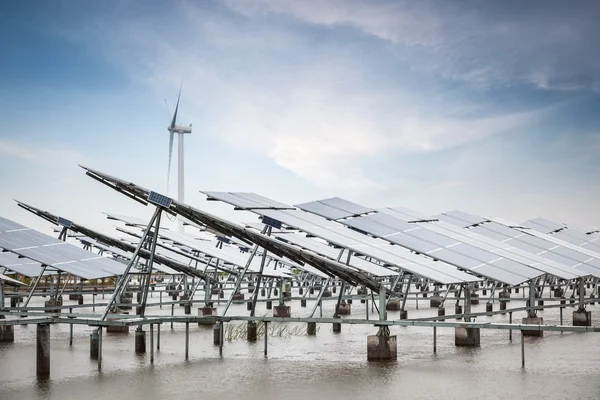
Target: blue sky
[(490, 107)]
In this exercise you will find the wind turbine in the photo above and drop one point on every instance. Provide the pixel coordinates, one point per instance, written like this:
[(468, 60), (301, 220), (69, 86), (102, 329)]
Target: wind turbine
[(173, 128)]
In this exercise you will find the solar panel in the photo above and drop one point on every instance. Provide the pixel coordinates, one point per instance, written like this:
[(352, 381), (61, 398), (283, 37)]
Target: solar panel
[(323, 210), (56, 253), (332, 253), (65, 222), (468, 218), (131, 221), (160, 200), (247, 201), (345, 205)]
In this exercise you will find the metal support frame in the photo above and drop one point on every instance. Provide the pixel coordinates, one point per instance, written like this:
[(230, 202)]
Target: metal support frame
[(467, 302), (125, 276), (260, 275), (37, 281), (320, 296), (492, 292), (581, 294), (241, 277), (409, 276), (444, 298), (149, 265)]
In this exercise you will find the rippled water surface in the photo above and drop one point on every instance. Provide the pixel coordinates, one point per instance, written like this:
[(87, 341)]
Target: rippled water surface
[(558, 366)]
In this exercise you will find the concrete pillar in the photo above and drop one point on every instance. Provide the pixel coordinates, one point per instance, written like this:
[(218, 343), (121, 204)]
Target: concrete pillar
[(502, 305), (249, 306), (140, 341), (300, 291), (468, 337), (382, 346), (311, 328), (251, 331), (489, 307), (533, 321), (269, 304), (303, 303), (187, 308), (474, 298), (582, 317), (441, 311), (326, 293), (43, 351), (282, 311), (94, 342), (403, 314)]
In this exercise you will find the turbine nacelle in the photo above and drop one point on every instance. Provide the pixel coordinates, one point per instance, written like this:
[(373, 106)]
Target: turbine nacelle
[(180, 129)]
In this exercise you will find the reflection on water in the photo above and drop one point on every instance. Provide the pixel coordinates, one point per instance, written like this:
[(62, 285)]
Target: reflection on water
[(558, 366)]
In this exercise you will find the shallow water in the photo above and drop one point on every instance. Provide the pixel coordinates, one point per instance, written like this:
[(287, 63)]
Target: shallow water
[(558, 366)]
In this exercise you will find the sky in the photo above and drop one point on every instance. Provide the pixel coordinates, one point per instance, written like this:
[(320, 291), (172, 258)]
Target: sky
[(490, 107)]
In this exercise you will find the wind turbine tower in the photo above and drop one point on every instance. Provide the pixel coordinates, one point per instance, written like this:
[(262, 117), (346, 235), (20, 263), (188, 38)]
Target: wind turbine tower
[(181, 130)]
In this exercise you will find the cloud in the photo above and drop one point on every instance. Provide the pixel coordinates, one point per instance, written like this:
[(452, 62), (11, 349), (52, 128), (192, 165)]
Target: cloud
[(548, 44), (39, 153)]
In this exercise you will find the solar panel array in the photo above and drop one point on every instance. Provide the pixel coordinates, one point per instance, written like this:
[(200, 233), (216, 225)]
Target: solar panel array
[(383, 251), (334, 208), (49, 251), (542, 246)]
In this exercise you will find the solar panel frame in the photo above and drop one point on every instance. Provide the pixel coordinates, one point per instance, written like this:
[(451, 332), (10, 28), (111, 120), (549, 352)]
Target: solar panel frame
[(323, 210)]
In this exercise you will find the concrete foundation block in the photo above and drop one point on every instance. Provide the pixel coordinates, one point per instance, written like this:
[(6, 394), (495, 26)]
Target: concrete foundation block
[(303, 303), (468, 337), (382, 347), (489, 307), (74, 296), (269, 304), (282, 311), (582, 318), (43, 351), (140, 341), (558, 292), (300, 291), (217, 334), (238, 296), (94, 344), (502, 305), (393, 305), (435, 301), (533, 321), (343, 309), (7, 334), (116, 329), (326, 293), (441, 311), (251, 333), (187, 308), (337, 327), (403, 314), (311, 328)]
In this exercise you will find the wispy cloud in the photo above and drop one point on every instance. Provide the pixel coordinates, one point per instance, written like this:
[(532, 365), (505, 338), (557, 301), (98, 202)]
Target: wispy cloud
[(39, 153)]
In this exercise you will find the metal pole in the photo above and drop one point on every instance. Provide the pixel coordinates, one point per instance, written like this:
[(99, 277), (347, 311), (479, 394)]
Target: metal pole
[(158, 337), (434, 340), (172, 313), (266, 336), (319, 297), (522, 350), (70, 330), (510, 322), (221, 339), (187, 341), (151, 343), (99, 348), (260, 274), (35, 286), (382, 303)]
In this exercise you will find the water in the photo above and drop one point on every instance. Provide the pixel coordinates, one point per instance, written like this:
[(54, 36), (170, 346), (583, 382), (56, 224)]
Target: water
[(558, 366)]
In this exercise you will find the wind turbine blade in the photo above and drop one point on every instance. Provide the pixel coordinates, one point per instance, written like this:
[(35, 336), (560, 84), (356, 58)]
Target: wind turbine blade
[(168, 110), (176, 108), (171, 135)]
